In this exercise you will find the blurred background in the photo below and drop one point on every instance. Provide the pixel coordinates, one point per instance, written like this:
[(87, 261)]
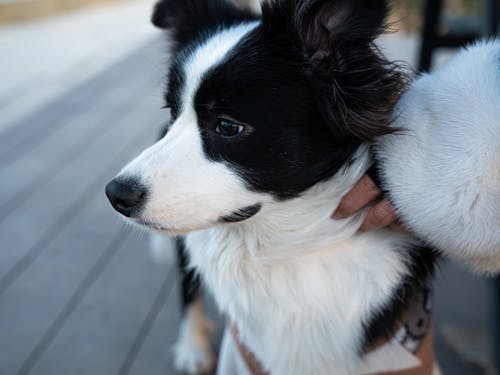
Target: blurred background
[(80, 94)]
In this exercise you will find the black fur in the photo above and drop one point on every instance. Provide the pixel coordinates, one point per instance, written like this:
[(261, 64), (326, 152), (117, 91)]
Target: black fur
[(189, 19), (190, 281), (383, 323)]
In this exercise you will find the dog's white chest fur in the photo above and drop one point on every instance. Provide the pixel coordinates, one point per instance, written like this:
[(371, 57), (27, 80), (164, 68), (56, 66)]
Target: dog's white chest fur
[(298, 284)]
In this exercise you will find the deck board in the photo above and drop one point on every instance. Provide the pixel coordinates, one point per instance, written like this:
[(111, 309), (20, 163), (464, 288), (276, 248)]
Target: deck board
[(28, 132), (50, 282), (105, 334), (64, 250), (51, 208), (57, 152), (156, 355)]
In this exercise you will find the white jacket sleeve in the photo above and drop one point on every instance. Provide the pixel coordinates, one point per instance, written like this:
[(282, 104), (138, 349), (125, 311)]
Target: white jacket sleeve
[(442, 170)]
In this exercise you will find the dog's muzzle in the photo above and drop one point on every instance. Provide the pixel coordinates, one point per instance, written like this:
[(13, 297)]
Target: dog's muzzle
[(127, 195)]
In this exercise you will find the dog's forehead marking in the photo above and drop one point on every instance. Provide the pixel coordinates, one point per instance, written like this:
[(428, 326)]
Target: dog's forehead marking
[(209, 54)]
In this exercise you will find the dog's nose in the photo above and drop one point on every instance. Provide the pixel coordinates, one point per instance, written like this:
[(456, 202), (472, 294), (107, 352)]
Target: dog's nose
[(126, 195)]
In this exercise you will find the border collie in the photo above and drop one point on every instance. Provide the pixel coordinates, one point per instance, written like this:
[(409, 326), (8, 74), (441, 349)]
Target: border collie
[(272, 119)]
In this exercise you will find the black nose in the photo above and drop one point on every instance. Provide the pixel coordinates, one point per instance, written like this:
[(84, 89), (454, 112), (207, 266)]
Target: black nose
[(126, 195)]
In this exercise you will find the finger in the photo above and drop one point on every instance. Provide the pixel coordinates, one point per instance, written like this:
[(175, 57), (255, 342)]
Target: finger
[(399, 226), (379, 216), (360, 195)]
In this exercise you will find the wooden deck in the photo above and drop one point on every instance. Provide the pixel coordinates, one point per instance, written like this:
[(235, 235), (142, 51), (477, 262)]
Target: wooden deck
[(79, 292)]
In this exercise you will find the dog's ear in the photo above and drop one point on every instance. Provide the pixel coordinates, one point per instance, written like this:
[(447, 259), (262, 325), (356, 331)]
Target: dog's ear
[(189, 18), (356, 88), (323, 27), (328, 26)]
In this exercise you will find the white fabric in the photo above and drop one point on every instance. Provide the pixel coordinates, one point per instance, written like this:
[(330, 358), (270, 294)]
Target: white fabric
[(443, 171), (232, 363), (389, 357)]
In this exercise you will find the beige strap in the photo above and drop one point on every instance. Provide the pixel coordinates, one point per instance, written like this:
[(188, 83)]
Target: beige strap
[(426, 356), (253, 364)]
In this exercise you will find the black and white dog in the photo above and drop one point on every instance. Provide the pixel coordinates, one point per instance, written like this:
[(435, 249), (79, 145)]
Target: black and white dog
[(272, 121)]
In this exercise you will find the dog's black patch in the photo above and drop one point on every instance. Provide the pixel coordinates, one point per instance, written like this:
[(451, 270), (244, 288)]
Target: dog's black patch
[(176, 81), (310, 101), (241, 214), (190, 280), (264, 83), (383, 324), (191, 19)]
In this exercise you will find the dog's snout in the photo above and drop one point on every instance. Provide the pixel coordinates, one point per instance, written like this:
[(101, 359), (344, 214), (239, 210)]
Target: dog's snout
[(126, 195)]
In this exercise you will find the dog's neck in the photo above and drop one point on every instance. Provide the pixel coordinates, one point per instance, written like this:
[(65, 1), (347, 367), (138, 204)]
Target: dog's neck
[(293, 254), (285, 229)]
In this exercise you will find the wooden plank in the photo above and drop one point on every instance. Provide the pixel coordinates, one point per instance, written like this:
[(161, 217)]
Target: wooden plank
[(40, 124), (51, 281), (50, 209), (156, 356), (150, 321), (69, 253), (37, 166), (20, 11), (462, 301), (102, 329), (72, 229)]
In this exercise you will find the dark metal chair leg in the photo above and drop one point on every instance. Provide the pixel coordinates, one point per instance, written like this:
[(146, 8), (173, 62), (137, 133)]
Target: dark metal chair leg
[(431, 23), (495, 320), (491, 10), (492, 18)]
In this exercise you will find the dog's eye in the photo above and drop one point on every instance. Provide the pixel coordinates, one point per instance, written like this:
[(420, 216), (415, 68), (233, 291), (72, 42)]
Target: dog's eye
[(228, 128)]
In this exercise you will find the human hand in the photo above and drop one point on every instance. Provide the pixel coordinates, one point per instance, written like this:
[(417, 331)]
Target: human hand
[(380, 215)]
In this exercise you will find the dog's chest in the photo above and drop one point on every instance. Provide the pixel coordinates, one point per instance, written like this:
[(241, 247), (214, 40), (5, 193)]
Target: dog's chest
[(305, 312)]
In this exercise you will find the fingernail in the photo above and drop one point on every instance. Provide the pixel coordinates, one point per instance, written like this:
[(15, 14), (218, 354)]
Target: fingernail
[(337, 215)]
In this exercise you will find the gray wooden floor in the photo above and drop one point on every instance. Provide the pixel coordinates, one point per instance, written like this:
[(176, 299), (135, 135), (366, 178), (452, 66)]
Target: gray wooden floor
[(79, 292)]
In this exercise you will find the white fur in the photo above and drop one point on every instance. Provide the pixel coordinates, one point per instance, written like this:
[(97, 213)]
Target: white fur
[(443, 173), (193, 351), (298, 284)]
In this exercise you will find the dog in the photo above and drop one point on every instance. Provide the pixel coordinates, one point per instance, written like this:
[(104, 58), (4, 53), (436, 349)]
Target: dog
[(272, 119)]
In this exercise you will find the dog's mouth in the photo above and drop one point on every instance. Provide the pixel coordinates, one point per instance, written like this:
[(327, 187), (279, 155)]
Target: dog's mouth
[(241, 214), (154, 226), (235, 217)]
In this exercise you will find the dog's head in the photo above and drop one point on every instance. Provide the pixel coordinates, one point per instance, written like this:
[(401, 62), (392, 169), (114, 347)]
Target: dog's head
[(261, 108)]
